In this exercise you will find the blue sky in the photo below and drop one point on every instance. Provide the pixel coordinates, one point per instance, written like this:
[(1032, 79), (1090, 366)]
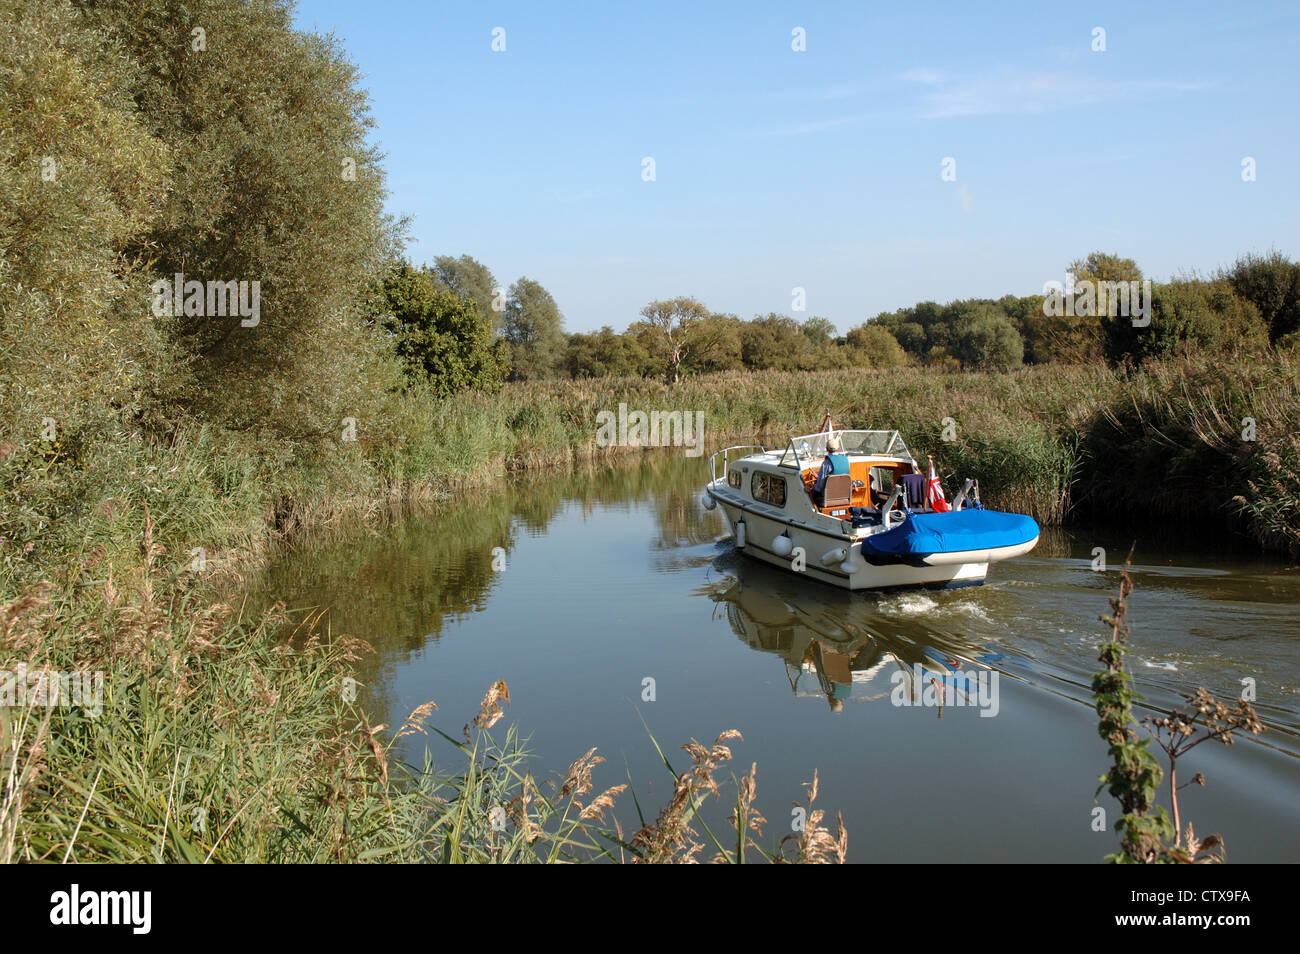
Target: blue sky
[(821, 169)]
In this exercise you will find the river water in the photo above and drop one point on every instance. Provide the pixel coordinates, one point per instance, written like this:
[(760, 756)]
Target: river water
[(610, 604)]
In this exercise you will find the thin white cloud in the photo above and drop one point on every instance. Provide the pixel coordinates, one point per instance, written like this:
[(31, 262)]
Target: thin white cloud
[(817, 125), (921, 75), (825, 93), (1018, 91)]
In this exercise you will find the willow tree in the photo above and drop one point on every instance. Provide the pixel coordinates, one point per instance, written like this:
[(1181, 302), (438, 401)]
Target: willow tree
[(274, 181), (80, 177), (534, 328), (467, 277)]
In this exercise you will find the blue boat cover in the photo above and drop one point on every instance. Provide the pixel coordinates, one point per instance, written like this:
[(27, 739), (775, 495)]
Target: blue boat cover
[(952, 532)]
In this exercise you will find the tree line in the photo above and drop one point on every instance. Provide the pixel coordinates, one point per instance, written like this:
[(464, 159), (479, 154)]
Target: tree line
[(1246, 308)]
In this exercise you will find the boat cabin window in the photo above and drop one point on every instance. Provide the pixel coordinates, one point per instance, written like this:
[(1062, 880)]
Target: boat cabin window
[(767, 488), (801, 451), (733, 477)]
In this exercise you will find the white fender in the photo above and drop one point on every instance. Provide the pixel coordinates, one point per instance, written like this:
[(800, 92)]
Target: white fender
[(783, 546), (740, 533), (837, 555)]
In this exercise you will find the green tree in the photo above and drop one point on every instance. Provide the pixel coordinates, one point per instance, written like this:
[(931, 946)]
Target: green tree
[(1188, 317), (713, 343), (988, 341), (775, 341), (605, 353), (819, 331), (534, 328), (1104, 270), (444, 342), (872, 346), (273, 180), (80, 175), (666, 332), (911, 337), (466, 277), (1272, 284)]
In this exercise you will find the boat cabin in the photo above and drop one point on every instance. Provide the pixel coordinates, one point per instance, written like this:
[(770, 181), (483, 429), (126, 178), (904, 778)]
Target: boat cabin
[(877, 462), (786, 480)]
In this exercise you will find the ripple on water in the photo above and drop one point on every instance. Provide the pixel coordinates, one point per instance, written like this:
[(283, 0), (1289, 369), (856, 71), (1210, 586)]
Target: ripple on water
[(1160, 664), (908, 604), (969, 608)]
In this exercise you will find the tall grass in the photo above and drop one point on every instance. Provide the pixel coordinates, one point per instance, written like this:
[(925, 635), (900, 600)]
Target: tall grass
[(1212, 445), (219, 741)]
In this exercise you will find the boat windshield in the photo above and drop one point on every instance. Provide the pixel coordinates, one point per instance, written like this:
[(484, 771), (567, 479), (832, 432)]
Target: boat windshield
[(811, 447)]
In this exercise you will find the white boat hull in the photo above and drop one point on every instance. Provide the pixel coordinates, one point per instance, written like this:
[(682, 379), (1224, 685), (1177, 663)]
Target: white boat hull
[(939, 570)]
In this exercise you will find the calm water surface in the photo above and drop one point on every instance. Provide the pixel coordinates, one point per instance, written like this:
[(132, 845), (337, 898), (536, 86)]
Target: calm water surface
[(616, 577)]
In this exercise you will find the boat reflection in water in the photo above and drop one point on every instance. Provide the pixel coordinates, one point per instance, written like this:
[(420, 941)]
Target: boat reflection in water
[(849, 646)]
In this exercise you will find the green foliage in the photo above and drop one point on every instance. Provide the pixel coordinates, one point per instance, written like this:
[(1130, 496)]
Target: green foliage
[(775, 341), (1214, 438), (1187, 317), (465, 277), (1147, 834), (874, 347), (263, 125), (988, 342), (1134, 775), (604, 354), (443, 340), (713, 343), (534, 328), (80, 177), (1272, 284), (910, 337), (1105, 267), (667, 332), (819, 331), (976, 334)]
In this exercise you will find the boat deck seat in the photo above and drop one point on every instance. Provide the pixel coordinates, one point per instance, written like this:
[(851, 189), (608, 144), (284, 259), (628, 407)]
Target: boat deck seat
[(860, 493)]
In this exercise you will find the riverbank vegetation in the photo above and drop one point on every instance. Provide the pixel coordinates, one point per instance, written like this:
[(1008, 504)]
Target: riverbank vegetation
[(1148, 835), (210, 342)]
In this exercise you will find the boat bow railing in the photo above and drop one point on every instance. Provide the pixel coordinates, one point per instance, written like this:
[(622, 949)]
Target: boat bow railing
[(728, 454)]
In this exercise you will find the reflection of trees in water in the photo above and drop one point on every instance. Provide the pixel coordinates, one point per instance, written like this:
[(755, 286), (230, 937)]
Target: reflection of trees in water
[(667, 480), (397, 588)]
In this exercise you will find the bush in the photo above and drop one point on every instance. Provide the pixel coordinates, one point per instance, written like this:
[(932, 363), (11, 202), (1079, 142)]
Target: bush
[(989, 343), (1187, 317), (875, 347)]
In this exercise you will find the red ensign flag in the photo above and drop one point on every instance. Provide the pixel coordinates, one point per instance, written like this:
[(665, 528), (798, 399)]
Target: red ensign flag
[(936, 492)]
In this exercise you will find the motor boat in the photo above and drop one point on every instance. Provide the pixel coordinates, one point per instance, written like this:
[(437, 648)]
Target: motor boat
[(884, 524)]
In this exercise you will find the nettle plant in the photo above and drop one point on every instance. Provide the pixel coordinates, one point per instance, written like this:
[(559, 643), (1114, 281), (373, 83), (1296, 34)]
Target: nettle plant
[(1147, 833)]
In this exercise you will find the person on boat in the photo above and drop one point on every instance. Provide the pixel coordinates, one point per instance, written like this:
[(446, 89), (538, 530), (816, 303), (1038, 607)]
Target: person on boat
[(835, 463)]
